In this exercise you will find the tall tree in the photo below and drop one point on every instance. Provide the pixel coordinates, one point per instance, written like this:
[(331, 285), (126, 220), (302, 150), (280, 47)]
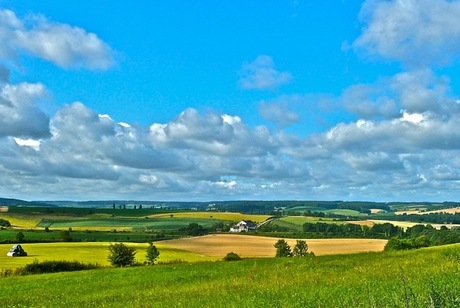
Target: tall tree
[(152, 254)]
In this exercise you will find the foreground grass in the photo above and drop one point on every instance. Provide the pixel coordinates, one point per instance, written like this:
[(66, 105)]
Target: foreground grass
[(423, 278)]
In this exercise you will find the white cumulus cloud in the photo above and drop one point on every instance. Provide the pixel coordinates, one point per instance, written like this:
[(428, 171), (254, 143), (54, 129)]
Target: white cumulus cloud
[(415, 32), (61, 44)]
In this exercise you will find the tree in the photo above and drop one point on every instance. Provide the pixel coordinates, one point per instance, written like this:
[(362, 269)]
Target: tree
[(152, 254), (19, 237), (300, 249), (65, 236), (283, 249), (195, 229), (121, 255)]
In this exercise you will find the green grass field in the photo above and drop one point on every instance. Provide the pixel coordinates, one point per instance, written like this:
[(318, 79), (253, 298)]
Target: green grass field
[(135, 224), (398, 279)]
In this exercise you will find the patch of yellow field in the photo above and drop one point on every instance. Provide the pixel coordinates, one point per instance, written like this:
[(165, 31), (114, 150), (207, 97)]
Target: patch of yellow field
[(231, 216), (375, 211), (218, 245), (407, 224), (3, 209), (90, 253), (362, 223), (21, 221)]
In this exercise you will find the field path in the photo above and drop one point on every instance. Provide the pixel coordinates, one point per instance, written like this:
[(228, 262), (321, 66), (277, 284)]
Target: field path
[(218, 245)]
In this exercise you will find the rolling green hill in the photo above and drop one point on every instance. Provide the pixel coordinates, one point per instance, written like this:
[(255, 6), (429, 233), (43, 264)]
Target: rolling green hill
[(421, 278)]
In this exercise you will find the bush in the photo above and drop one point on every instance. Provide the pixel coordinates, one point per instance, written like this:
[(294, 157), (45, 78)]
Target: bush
[(4, 223), (231, 256), (121, 255), (53, 267)]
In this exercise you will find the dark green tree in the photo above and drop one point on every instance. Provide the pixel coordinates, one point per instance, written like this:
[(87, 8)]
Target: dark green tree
[(283, 249), (66, 236), (121, 255), (19, 237), (152, 254), (300, 249)]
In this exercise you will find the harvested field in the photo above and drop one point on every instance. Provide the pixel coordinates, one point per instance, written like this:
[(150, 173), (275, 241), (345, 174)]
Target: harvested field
[(453, 210), (218, 245), (228, 216), (3, 209)]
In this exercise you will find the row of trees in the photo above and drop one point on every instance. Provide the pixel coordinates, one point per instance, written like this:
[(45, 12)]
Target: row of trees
[(121, 255), (423, 236), (385, 230), (284, 250), (435, 218)]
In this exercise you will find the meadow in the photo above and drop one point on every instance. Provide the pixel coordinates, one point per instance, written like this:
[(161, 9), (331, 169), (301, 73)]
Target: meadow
[(189, 249), (396, 279)]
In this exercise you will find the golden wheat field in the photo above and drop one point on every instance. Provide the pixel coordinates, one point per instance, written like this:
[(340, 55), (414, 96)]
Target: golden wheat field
[(230, 216), (218, 245)]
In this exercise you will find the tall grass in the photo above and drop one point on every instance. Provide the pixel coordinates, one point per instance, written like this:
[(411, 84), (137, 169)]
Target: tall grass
[(422, 278)]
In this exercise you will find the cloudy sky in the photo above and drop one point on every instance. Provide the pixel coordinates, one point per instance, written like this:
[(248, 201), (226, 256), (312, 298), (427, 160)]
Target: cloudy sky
[(228, 100)]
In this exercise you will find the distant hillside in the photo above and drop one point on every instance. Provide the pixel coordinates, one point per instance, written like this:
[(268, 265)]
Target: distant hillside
[(18, 202)]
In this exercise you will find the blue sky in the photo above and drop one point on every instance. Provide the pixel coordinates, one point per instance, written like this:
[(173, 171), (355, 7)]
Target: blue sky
[(224, 100)]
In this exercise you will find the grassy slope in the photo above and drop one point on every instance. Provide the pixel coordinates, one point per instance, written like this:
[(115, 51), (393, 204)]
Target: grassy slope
[(401, 279)]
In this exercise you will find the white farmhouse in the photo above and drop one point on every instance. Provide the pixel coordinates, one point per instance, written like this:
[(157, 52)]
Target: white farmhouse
[(244, 226)]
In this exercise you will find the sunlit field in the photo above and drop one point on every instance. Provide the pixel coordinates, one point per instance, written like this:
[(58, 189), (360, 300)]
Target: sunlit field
[(397, 279), (90, 253), (219, 245), (229, 216)]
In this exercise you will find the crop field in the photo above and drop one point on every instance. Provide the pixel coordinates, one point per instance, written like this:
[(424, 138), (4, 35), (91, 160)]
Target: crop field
[(228, 216), (102, 220), (399, 279), (90, 253), (218, 245), (135, 224), (21, 220), (453, 210)]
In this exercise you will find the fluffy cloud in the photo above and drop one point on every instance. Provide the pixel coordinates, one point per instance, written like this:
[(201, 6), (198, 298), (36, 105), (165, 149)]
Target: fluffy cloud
[(261, 74), (19, 115), (59, 43), (416, 91), (421, 32)]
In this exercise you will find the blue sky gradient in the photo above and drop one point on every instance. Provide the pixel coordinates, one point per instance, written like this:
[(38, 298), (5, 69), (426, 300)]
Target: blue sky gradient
[(220, 100)]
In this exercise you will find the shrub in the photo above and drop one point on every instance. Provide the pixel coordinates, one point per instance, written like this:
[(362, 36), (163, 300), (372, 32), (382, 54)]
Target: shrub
[(121, 255), (4, 223), (231, 256), (53, 267)]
